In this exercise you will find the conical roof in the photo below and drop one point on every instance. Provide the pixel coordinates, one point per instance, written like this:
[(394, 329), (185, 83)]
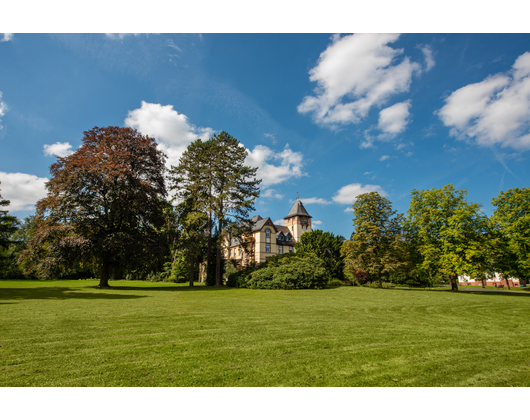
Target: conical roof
[(298, 209)]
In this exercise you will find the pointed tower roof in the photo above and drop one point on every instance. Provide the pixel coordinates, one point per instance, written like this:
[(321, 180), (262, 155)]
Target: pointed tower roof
[(298, 209)]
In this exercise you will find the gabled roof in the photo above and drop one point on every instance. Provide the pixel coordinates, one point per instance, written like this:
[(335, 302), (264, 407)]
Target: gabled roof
[(258, 225), (298, 209)]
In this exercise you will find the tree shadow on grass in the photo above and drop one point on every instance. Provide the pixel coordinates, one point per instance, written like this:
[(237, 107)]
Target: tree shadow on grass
[(461, 291), (58, 293), (172, 288)]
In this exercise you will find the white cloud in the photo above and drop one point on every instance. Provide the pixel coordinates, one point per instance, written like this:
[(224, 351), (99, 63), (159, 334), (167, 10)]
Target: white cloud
[(172, 130), (290, 164), (123, 35), (23, 190), (7, 37), (271, 193), (315, 200), (3, 110), (427, 53), (58, 149), (349, 193), (394, 119), (494, 111), (316, 222), (367, 173), (280, 222), (361, 67), (383, 158), (348, 210)]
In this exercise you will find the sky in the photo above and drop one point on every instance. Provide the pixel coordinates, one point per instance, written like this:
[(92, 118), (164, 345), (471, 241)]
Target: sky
[(324, 116)]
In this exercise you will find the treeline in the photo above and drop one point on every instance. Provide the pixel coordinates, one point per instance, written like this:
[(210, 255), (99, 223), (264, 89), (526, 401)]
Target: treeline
[(112, 211), (441, 237)]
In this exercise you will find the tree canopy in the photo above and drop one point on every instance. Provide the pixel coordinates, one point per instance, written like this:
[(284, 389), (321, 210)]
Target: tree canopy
[(448, 229), (511, 221), (376, 245), (326, 246), (104, 203), (213, 175)]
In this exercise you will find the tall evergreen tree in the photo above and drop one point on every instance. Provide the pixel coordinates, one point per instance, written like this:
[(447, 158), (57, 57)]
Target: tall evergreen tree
[(212, 175), (235, 187)]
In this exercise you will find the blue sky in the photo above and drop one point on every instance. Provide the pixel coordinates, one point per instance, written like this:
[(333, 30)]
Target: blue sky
[(327, 116)]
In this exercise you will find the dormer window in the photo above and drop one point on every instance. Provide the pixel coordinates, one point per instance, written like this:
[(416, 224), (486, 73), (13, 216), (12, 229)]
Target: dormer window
[(288, 238), (280, 236)]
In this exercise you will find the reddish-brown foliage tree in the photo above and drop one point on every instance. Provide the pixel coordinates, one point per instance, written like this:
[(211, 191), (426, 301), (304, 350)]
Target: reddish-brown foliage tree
[(104, 204)]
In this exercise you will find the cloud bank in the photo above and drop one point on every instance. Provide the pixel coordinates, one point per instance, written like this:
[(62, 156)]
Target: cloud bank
[(495, 111), (23, 190), (355, 73), (3, 110), (172, 130), (290, 164)]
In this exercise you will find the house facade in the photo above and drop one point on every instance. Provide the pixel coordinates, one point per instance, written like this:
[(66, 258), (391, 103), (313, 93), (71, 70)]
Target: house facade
[(496, 281), (269, 239)]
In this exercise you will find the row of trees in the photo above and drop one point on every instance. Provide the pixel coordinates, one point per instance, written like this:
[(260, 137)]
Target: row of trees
[(442, 236), (113, 211), (108, 211)]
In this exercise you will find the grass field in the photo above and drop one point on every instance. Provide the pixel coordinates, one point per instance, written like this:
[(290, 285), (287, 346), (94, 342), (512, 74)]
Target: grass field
[(69, 333)]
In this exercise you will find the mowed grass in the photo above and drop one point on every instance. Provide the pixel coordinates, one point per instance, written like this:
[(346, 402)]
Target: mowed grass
[(69, 333)]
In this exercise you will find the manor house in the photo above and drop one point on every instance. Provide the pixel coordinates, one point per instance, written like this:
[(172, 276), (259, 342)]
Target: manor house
[(269, 239)]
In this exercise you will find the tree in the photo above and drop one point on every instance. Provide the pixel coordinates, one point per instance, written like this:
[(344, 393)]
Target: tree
[(9, 225), (448, 229), (192, 181), (104, 203), (376, 246), (511, 221), (235, 187), (213, 177), (326, 246)]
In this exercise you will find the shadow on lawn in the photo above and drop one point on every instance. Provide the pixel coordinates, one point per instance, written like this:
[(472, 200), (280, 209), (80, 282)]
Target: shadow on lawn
[(58, 293), (94, 292), (461, 290)]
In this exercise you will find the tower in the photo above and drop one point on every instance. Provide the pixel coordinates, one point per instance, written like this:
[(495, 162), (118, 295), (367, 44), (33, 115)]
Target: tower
[(298, 220)]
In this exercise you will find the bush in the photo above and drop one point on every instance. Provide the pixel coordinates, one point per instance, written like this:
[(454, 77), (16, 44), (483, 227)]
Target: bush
[(238, 278), (335, 283), (289, 271)]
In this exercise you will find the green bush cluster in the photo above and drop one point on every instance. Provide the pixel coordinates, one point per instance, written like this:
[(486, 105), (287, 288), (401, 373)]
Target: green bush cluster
[(288, 271)]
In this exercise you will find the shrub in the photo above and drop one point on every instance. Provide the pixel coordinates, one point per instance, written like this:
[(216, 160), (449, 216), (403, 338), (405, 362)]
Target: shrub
[(290, 271), (335, 283)]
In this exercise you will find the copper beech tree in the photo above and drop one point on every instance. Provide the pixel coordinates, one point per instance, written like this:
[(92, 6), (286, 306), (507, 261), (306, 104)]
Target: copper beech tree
[(104, 203)]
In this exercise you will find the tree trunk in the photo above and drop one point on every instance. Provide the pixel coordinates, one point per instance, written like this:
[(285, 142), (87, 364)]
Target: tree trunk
[(507, 283), (192, 269), (483, 283), (104, 279), (454, 284), (380, 281), (218, 259), (209, 252)]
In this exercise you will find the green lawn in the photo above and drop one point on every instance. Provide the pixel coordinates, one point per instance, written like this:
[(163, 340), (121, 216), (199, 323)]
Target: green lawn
[(69, 333)]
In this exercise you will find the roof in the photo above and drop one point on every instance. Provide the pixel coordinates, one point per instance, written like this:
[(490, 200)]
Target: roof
[(298, 209), (260, 222)]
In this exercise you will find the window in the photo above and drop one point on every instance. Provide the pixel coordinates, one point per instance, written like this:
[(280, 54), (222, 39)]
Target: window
[(268, 236), (280, 236), (230, 253), (290, 249), (280, 249), (289, 238), (267, 247)]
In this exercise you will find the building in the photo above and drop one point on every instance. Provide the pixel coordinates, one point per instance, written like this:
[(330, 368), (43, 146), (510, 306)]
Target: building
[(269, 239), (496, 281)]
